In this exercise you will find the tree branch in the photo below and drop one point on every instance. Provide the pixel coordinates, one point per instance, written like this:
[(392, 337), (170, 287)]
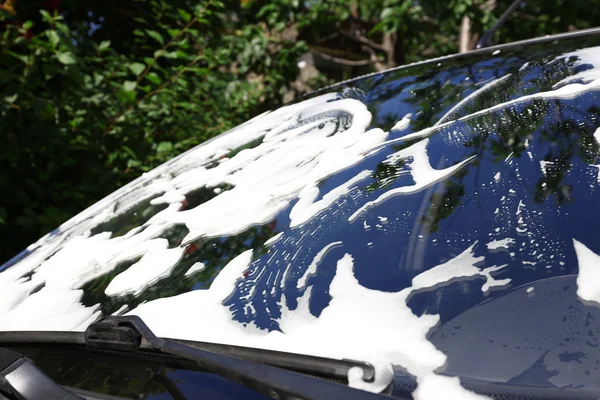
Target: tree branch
[(326, 38), (362, 39), (465, 35), (342, 61)]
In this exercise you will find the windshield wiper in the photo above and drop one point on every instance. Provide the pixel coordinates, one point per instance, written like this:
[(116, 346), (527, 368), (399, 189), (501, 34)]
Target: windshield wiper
[(239, 364)]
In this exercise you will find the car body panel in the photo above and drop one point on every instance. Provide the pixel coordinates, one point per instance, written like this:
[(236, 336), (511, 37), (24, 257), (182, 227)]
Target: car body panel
[(363, 222)]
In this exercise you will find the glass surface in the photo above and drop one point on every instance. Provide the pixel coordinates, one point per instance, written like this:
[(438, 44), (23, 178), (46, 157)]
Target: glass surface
[(529, 187), (132, 378)]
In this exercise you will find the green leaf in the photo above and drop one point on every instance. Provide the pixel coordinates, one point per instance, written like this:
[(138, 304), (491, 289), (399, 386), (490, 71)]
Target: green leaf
[(46, 16), (154, 78), (43, 108), (28, 25), (11, 99), (172, 55), (186, 16), (133, 163), (155, 35), (53, 37), (66, 58), (164, 146), (18, 56), (75, 121), (105, 44), (129, 85), (137, 68), (129, 152)]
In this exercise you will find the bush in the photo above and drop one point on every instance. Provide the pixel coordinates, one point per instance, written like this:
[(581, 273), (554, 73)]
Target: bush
[(80, 117)]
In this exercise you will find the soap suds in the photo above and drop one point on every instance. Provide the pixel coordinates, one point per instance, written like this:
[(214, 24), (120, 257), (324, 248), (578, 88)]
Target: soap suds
[(422, 172), (493, 83), (461, 266), (196, 267), (403, 123), (312, 268), (588, 278), (392, 335), (306, 207), (300, 146), (500, 244), (583, 56), (444, 387), (50, 310), (157, 263)]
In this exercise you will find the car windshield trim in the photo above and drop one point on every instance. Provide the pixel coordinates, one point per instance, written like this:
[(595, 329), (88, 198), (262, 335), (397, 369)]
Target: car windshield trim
[(457, 56)]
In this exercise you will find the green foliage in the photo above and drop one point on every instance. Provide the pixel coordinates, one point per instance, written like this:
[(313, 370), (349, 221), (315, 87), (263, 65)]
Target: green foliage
[(100, 92), (80, 117)]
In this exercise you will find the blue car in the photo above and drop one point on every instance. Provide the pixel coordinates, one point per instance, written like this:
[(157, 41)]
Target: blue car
[(427, 232)]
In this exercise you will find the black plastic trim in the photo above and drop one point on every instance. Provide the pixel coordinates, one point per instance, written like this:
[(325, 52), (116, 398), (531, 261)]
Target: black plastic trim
[(313, 365)]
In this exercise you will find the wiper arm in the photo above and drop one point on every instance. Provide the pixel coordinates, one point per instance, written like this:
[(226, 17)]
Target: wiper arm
[(255, 368), (129, 332), (312, 365)]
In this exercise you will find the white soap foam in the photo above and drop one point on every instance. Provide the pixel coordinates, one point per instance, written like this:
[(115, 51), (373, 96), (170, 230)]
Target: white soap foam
[(50, 309), (569, 91), (292, 157), (443, 387), (12, 294), (389, 333), (584, 56), (306, 207), (403, 123), (422, 172), (157, 263), (274, 239), (500, 243), (196, 267), (493, 83), (461, 266), (588, 278), (312, 268)]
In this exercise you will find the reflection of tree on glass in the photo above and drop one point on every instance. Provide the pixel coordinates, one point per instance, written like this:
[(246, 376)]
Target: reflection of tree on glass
[(214, 253)]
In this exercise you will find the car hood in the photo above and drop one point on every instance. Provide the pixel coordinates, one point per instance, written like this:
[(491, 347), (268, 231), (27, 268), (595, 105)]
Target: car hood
[(428, 218)]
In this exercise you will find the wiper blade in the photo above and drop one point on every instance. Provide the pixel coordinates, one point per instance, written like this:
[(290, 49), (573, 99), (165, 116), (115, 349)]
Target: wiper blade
[(319, 366), (256, 368), (128, 333)]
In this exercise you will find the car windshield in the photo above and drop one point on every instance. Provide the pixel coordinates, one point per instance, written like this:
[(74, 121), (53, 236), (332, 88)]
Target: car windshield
[(436, 220)]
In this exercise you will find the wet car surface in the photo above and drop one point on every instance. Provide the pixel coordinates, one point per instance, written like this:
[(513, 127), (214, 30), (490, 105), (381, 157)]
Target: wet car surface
[(440, 218)]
